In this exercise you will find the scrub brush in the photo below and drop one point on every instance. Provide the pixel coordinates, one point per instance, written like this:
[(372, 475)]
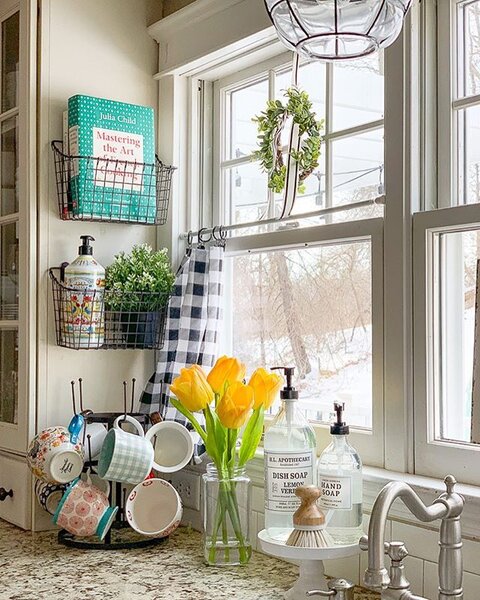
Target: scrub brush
[(309, 521)]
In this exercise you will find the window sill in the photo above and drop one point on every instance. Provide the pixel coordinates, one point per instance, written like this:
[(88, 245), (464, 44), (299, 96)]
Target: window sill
[(427, 488)]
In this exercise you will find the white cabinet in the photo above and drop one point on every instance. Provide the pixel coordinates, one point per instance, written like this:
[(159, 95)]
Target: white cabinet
[(15, 478), (17, 222)]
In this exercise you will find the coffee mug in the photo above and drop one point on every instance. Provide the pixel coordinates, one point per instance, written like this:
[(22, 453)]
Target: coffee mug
[(92, 478), (84, 510), (56, 455), (126, 457), (49, 494), (154, 508), (97, 433), (173, 447)]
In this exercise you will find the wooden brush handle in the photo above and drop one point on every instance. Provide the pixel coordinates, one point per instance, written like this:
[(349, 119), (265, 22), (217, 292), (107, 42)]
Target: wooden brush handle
[(308, 514)]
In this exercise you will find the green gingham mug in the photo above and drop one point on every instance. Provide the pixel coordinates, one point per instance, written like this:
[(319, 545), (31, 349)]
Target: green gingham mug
[(126, 457)]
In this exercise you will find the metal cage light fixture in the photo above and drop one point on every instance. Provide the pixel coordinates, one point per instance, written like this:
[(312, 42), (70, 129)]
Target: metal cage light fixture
[(337, 29)]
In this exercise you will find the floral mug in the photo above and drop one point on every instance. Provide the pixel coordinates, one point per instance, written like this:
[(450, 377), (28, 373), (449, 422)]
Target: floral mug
[(56, 455), (84, 510)]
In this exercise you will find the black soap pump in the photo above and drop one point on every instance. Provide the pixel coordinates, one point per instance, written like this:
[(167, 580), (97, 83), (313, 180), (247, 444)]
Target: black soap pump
[(289, 451)]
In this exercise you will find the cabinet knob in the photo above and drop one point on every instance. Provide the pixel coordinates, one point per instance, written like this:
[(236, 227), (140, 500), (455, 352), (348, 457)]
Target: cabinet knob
[(4, 494)]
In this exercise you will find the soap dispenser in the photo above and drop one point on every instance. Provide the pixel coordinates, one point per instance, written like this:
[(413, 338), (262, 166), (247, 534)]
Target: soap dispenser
[(85, 322), (339, 476), (289, 451)]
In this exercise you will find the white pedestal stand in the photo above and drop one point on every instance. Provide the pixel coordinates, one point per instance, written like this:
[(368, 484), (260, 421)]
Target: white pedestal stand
[(310, 560)]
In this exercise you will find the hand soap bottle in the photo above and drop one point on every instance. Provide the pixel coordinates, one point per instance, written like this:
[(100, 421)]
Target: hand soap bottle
[(289, 450), (339, 476), (84, 314)]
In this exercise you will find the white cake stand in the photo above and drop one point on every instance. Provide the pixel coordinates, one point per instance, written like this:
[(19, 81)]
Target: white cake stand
[(310, 560)]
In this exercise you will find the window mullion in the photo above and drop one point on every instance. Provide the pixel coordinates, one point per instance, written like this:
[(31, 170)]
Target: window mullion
[(328, 143), (445, 121)]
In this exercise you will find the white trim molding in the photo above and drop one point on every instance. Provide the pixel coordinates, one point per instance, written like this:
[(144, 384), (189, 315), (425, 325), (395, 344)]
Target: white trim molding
[(208, 31)]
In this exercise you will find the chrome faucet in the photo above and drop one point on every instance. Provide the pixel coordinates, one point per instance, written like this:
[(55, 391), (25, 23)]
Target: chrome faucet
[(394, 585)]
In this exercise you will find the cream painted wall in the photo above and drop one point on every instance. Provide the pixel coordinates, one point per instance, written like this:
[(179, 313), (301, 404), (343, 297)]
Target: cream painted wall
[(154, 11), (171, 6), (101, 49)]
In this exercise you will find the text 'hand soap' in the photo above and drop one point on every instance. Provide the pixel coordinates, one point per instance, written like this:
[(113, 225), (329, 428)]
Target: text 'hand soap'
[(339, 476)]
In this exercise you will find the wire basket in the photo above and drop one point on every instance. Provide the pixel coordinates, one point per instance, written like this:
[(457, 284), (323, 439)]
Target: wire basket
[(100, 189), (92, 319)]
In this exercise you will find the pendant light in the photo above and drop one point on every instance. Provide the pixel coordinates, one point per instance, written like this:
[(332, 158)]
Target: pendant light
[(337, 29)]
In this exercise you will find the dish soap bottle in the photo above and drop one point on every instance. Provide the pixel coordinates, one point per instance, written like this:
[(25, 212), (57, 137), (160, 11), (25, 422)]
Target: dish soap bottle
[(289, 450), (339, 476), (84, 309)]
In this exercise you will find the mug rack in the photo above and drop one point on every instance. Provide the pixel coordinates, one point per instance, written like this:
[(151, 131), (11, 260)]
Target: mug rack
[(120, 536)]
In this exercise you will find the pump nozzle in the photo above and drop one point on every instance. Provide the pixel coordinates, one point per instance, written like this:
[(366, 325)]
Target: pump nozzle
[(288, 392), (340, 427), (85, 248)]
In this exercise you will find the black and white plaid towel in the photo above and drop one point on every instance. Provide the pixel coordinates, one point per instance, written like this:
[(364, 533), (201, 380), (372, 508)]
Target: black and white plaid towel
[(194, 315)]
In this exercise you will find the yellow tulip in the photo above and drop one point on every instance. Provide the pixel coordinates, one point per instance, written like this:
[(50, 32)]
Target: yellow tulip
[(192, 389), (265, 387), (226, 370), (235, 405)]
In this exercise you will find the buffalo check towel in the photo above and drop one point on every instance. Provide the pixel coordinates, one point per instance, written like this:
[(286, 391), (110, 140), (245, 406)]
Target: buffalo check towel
[(194, 316)]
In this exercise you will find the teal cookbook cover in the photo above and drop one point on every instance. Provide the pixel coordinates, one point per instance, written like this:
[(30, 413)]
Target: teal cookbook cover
[(122, 185)]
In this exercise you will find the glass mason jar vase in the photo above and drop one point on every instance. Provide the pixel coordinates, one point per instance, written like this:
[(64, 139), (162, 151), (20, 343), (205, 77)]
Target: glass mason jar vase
[(226, 509)]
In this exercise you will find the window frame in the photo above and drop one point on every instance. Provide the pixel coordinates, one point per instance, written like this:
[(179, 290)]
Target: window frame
[(187, 70), (224, 86), (450, 105), (435, 457), (370, 444)]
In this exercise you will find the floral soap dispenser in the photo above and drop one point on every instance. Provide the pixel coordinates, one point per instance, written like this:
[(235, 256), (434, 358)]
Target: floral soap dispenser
[(84, 314)]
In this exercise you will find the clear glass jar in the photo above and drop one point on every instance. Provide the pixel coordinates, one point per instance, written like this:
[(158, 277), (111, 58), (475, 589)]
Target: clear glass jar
[(226, 510)]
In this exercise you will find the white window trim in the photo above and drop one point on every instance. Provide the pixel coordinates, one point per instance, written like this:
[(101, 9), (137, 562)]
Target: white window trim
[(434, 455)]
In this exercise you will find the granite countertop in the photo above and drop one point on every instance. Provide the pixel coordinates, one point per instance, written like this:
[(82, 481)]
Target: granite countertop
[(36, 567)]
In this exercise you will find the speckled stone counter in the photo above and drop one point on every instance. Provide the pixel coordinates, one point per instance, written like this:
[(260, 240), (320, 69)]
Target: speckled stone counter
[(36, 567)]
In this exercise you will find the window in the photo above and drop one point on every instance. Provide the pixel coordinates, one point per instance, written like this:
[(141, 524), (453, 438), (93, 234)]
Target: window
[(312, 308), (309, 293), (459, 101), (348, 96), (447, 249)]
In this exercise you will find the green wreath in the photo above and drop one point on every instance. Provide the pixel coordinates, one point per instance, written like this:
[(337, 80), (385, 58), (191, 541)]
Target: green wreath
[(270, 125)]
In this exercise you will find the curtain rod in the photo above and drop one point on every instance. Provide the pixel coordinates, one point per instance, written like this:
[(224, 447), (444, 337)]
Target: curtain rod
[(324, 211)]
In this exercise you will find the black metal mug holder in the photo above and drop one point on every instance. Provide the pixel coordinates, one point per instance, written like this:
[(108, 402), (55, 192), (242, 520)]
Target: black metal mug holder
[(93, 319), (117, 495), (108, 190)]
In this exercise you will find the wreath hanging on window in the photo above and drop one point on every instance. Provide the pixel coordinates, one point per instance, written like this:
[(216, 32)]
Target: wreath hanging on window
[(271, 123)]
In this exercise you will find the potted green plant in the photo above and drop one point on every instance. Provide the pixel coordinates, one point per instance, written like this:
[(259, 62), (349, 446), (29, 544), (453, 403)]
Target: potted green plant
[(138, 287)]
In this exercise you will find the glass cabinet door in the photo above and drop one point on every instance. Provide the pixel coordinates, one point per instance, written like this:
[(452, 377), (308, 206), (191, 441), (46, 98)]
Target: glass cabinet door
[(9, 219)]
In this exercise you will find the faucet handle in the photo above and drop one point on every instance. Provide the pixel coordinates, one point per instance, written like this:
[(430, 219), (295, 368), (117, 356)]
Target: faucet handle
[(397, 551), (363, 543), (340, 589)]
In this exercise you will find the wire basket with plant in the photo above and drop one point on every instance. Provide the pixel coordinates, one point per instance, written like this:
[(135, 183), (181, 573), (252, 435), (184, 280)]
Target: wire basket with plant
[(138, 288)]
